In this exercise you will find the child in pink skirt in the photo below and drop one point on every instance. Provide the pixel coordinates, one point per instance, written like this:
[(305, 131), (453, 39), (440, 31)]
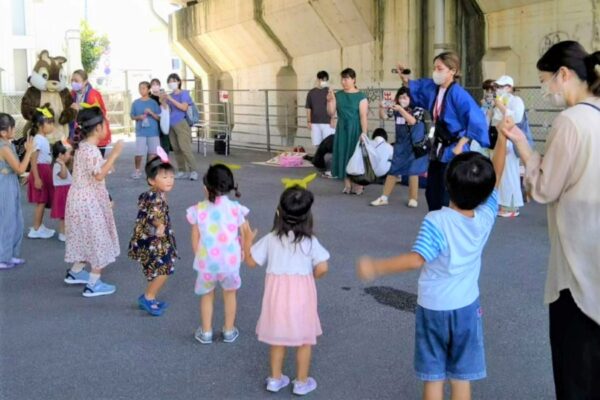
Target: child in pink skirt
[(294, 259), (40, 188), (61, 177)]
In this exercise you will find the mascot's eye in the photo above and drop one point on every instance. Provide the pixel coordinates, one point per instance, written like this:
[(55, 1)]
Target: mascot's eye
[(45, 76), (44, 73)]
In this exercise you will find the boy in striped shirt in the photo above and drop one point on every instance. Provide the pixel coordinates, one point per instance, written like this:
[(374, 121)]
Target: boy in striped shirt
[(449, 332)]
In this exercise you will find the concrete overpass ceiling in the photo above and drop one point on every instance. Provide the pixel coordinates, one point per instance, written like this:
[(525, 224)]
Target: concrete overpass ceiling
[(350, 22), (490, 6)]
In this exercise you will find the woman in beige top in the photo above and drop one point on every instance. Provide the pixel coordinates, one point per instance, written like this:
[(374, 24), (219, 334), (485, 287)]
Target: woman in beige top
[(567, 179)]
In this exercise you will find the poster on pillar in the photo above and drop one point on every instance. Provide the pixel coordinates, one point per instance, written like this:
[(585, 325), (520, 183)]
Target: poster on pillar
[(388, 98), (223, 96)]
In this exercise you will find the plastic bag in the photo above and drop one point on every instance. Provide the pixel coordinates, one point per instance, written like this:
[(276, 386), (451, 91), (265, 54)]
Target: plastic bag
[(362, 162), (164, 120)]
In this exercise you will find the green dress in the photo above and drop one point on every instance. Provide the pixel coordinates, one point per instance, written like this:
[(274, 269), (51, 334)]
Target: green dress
[(347, 131)]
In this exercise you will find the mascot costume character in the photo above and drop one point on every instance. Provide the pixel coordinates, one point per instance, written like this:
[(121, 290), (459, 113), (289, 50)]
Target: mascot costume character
[(49, 86)]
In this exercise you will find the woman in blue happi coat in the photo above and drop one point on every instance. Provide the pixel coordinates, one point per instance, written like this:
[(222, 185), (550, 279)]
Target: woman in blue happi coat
[(457, 119)]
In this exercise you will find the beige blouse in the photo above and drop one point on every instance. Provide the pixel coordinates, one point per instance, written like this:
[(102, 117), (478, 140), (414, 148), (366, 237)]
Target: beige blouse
[(567, 179)]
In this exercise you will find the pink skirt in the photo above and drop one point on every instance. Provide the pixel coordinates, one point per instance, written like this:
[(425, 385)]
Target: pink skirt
[(289, 314), (45, 194), (59, 201)]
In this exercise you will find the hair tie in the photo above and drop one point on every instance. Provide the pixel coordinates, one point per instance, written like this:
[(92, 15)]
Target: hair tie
[(92, 122), (160, 152), (45, 112), (303, 183)]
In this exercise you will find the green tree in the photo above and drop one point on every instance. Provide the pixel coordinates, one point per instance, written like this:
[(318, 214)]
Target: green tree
[(92, 47)]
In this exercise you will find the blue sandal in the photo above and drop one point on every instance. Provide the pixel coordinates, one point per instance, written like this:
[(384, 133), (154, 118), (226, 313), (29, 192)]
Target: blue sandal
[(152, 307)]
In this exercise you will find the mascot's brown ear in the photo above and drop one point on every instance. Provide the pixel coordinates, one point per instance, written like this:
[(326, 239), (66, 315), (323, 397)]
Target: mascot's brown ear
[(45, 56), (60, 60)]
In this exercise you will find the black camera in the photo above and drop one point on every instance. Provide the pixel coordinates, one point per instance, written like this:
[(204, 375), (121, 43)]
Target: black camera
[(405, 71)]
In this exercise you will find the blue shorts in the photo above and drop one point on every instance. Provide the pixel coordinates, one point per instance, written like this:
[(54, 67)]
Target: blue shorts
[(449, 344)]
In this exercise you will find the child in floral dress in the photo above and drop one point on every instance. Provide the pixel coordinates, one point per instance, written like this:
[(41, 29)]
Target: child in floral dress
[(89, 223), (294, 259), (216, 222), (153, 243)]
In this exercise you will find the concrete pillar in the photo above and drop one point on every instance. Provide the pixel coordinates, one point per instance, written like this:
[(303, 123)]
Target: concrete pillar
[(439, 32), (73, 47)]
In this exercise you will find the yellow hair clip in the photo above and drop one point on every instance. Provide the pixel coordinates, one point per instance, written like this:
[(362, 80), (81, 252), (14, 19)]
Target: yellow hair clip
[(303, 183), (45, 112), (86, 105), (233, 167)]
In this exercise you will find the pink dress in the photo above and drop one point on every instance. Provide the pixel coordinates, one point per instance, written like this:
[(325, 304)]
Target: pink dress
[(89, 223), (289, 315)]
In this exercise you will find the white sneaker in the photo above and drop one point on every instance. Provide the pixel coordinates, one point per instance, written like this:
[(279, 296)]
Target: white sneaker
[(39, 234), (380, 201), (136, 175), (181, 175), (412, 203), (62, 237), (47, 230), (194, 176)]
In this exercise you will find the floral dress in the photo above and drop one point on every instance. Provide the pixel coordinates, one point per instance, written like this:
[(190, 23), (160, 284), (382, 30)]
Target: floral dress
[(156, 254)]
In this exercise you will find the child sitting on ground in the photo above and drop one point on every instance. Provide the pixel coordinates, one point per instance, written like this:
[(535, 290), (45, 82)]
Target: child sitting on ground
[(449, 338)]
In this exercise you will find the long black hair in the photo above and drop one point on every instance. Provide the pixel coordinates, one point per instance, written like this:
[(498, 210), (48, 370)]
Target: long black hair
[(87, 120), (38, 119), (219, 181), (572, 54), (6, 122), (294, 215)]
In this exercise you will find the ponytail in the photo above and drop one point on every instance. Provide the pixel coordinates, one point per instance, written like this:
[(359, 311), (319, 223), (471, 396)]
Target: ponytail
[(592, 64)]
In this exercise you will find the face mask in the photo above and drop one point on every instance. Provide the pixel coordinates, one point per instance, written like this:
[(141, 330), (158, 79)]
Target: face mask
[(173, 85), (155, 89), (76, 86), (324, 84), (555, 99), (501, 91), (439, 77), (404, 103)]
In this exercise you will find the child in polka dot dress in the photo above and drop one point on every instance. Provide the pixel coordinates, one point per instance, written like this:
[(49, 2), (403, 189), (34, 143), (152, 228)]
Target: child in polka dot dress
[(216, 223)]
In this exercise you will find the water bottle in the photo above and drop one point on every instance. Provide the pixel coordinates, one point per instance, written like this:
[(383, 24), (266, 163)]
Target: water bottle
[(145, 122)]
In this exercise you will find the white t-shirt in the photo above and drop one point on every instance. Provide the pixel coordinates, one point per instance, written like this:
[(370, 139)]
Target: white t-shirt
[(515, 108), (57, 180), (451, 244), (283, 257), (43, 146)]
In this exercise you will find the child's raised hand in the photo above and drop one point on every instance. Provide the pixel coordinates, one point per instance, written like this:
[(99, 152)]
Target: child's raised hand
[(29, 145), (365, 269), (330, 95)]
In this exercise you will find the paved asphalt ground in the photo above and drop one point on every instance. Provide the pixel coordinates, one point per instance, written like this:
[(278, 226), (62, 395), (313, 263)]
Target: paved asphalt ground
[(55, 344)]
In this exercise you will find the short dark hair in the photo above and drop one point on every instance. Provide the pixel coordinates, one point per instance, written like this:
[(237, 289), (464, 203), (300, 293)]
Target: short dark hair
[(572, 54), (403, 90), (293, 214), (6, 122), (323, 76), (488, 84), (58, 148), (380, 132), (145, 83), (155, 80), (470, 179), (38, 119), (348, 73), (175, 77), (154, 166), (219, 181), (87, 120)]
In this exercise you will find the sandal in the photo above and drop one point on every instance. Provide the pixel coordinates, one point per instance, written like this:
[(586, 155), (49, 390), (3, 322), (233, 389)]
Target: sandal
[(346, 190)]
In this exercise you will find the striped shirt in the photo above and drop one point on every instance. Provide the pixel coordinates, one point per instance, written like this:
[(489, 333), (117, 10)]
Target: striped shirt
[(451, 244)]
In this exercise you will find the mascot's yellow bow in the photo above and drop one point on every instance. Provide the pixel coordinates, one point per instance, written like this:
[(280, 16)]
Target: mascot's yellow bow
[(45, 112), (303, 183), (233, 167)]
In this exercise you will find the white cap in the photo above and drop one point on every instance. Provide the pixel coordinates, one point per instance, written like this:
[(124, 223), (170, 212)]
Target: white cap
[(505, 80)]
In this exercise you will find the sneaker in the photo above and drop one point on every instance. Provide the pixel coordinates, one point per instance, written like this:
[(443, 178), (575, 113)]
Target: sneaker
[(194, 176), (40, 233), (302, 388), (203, 337), (62, 237), (136, 175), (380, 201), (99, 289), (47, 230), (152, 307), (16, 261), (7, 265), (77, 278), (412, 203), (504, 213), (181, 175), (275, 385), (230, 336), (327, 175)]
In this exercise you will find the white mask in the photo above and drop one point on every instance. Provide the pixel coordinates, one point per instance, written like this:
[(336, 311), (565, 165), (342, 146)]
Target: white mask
[(404, 103), (173, 85), (439, 77), (323, 84), (556, 99)]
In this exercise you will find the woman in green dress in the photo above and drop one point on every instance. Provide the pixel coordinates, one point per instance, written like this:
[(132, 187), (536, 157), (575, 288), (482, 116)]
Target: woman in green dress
[(352, 107)]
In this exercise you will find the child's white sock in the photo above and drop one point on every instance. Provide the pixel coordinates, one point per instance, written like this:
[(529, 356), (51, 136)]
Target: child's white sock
[(93, 279), (77, 267)]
